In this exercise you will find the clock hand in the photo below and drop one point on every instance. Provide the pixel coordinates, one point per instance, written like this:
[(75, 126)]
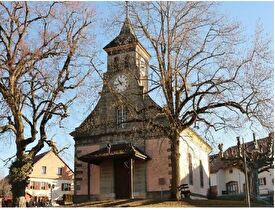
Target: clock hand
[(119, 82)]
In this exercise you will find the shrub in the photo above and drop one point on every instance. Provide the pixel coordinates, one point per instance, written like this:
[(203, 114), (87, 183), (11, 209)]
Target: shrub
[(67, 198)]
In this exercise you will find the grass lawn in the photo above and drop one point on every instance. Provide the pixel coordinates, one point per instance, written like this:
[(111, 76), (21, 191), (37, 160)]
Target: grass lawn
[(167, 203)]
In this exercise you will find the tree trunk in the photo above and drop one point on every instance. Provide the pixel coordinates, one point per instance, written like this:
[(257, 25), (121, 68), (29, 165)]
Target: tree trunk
[(175, 162), (19, 173), (254, 184), (18, 194)]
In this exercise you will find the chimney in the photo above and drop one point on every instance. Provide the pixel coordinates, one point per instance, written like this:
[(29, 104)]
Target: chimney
[(53, 146)]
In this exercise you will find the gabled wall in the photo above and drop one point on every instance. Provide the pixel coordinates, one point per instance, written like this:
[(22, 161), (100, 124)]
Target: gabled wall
[(52, 162)]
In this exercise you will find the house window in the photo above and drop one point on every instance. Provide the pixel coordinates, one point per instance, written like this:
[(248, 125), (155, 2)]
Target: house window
[(44, 170), (31, 185), (190, 169), (230, 170), (201, 174), (232, 187), (262, 181), (121, 117), (66, 187), (59, 171), (43, 186)]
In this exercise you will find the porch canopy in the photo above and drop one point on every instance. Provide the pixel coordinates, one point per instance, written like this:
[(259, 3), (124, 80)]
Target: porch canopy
[(116, 151)]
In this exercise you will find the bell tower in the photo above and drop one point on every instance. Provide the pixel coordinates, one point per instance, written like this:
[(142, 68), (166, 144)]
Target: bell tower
[(127, 61)]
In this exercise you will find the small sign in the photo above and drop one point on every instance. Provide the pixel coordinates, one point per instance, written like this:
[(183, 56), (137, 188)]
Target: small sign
[(162, 181)]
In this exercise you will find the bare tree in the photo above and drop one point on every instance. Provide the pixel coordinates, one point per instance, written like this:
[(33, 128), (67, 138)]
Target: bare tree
[(42, 61), (207, 72)]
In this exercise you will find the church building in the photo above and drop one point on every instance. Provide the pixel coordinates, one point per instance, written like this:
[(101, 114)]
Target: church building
[(121, 151)]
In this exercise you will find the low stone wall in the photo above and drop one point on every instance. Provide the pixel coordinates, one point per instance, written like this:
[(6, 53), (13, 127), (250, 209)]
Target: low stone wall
[(80, 198), (158, 195)]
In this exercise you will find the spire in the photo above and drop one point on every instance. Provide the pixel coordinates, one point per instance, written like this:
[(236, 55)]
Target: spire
[(126, 10), (127, 27), (126, 35)]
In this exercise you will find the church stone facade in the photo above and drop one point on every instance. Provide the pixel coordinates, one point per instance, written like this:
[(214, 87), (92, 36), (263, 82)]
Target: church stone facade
[(119, 150)]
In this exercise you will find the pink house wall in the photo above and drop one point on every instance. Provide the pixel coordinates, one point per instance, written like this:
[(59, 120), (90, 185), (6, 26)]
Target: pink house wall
[(95, 179), (158, 177), (94, 172)]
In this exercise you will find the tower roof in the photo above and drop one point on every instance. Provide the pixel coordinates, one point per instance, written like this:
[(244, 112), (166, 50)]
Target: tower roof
[(126, 36)]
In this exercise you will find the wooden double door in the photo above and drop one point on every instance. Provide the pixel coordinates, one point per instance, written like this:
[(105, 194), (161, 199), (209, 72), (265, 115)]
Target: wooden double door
[(122, 176)]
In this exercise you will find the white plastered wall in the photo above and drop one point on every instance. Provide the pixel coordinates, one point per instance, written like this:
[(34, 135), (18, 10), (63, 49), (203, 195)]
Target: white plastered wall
[(57, 190), (198, 152)]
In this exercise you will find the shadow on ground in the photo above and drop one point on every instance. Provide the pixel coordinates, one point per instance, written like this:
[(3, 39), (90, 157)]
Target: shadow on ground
[(166, 203)]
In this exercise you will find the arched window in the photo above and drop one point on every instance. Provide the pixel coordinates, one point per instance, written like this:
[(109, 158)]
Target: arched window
[(126, 61), (190, 169), (232, 187), (201, 174), (116, 60), (121, 116)]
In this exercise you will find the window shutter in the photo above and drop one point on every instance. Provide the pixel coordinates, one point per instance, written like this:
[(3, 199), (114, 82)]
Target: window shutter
[(264, 181), (62, 187)]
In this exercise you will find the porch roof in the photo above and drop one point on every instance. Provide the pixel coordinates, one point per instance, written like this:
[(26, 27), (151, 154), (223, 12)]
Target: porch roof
[(116, 151)]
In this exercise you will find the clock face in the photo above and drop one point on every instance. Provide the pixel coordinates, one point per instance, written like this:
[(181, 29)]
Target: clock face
[(120, 83)]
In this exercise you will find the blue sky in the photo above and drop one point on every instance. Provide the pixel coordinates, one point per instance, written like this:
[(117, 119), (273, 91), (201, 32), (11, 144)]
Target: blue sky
[(247, 13)]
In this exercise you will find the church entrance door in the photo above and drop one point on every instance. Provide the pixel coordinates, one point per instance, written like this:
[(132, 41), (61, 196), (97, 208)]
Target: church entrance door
[(122, 178)]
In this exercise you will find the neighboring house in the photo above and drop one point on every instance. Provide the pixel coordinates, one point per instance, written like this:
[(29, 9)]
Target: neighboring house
[(51, 178), (226, 179), (118, 153)]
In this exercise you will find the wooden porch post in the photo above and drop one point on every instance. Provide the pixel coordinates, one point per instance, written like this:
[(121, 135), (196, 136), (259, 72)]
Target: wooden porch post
[(131, 179)]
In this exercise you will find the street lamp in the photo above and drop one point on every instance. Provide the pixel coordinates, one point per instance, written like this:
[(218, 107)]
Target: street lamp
[(51, 187), (247, 190)]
